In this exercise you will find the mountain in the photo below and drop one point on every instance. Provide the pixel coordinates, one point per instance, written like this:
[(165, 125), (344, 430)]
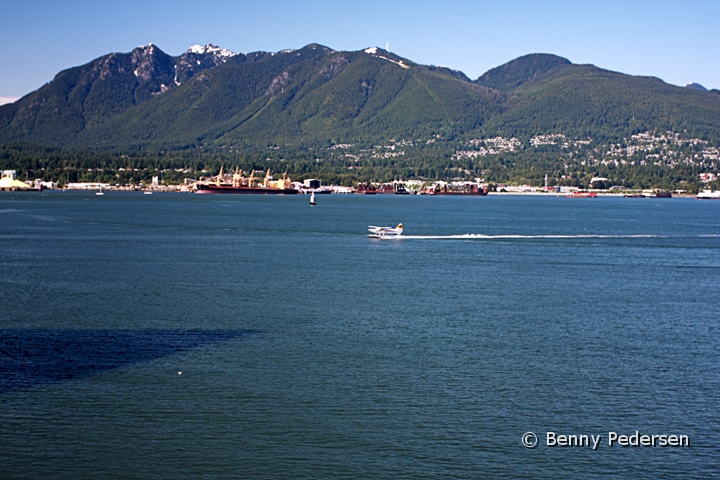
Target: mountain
[(547, 94), (210, 97), (314, 94), (521, 70), (149, 98), (82, 98)]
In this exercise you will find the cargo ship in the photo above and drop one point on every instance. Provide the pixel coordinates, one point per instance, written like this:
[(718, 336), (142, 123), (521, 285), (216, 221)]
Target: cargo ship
[(708, 195), (655, 194), (246, 185), (466, 189), (366, 189)]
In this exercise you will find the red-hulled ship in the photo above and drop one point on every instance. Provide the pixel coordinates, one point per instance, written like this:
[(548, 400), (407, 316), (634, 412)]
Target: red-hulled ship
[(366, 189), (247, 185), (582, 194)]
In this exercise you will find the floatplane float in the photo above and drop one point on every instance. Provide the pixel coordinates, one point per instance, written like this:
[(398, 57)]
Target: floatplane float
[(385, 232)]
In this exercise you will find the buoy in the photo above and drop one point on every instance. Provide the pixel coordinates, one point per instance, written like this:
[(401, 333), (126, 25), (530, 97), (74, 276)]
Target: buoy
[(312, 198)]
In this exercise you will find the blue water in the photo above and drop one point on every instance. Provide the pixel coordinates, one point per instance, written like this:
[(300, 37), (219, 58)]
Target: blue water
[(308, 350)]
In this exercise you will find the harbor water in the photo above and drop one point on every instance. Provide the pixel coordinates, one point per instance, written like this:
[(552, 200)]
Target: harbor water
[(218, 336)]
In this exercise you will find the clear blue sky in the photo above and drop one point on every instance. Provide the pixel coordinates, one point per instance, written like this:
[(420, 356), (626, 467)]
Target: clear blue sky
[(676, 41)]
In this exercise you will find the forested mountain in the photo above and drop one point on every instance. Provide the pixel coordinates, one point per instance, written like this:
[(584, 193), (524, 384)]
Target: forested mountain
[(147, 98), (588, 102), (81, 99), (316, 96), (513, 74), (366, 115)]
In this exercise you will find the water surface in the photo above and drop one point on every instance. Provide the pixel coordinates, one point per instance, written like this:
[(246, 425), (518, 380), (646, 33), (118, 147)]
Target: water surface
[(311, 351)]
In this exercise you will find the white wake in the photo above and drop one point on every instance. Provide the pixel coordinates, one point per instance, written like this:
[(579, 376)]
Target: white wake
[(477, 236)]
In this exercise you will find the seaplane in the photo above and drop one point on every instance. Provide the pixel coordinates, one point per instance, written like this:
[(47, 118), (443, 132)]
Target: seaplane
[(385, 232)]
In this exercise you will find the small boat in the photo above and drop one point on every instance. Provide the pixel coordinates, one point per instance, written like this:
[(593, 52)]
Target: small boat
[(385, 232), (99, 192), (312, 198), (148, 193)]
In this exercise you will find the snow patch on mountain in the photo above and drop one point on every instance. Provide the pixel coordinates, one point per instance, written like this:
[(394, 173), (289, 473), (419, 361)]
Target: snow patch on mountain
[(396, 62), (210, 48), (374, 51)]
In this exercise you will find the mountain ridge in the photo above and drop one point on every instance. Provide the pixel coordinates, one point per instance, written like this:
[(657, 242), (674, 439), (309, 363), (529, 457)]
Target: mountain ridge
[(316, 95)]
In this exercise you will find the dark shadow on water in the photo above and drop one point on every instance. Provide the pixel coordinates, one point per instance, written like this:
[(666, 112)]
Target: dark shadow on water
[(33, 357)]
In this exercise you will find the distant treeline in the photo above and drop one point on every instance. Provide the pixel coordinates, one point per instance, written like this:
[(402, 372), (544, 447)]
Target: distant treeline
[(434, 162)]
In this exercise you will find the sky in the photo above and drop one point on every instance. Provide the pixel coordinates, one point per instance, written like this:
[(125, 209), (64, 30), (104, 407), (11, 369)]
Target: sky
[(676, 41)]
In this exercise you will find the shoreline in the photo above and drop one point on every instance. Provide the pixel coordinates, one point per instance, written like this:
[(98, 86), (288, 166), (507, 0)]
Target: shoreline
[(494, 194)]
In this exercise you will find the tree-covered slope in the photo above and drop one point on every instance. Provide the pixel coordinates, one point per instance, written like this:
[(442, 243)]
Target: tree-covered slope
[(358, 96), (204, 105), (521, 70), (585, 101)]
